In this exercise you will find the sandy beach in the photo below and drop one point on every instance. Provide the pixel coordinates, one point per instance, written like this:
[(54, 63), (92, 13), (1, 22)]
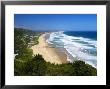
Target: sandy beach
[(49, 53)]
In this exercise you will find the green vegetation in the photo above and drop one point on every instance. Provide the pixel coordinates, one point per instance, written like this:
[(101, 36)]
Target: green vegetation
[(27, 65), (38, 67), (23, 40)]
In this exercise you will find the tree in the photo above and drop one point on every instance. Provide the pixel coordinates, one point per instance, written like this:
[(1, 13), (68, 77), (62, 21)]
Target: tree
[(82, 69)]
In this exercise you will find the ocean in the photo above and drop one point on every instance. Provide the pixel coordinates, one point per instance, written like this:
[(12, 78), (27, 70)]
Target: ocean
[(80, 45)]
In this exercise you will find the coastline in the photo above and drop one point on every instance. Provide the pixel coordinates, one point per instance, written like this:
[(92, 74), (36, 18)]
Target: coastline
[(49, 53)]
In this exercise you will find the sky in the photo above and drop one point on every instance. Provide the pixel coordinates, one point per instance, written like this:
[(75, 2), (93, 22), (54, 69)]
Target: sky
[(60, 22)]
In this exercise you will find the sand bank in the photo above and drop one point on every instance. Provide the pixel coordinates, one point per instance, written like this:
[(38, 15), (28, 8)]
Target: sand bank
[(49, 53)]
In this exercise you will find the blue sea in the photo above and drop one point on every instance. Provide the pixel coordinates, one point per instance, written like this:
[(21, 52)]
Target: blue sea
[(80, 45)]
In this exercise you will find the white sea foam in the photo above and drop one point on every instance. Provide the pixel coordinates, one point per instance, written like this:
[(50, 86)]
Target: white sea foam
[(74, 47)]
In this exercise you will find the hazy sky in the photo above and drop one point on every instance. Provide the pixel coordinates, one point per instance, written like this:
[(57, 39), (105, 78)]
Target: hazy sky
[(74, 22)]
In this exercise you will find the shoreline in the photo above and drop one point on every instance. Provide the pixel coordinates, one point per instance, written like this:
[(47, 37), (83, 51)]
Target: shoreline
[(49, 53), (53, 54)]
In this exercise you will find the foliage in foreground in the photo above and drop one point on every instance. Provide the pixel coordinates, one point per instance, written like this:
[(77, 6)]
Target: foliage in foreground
[(37, 66)]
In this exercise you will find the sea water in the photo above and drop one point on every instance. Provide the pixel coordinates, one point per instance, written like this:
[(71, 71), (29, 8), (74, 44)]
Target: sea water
[(81, 45)]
